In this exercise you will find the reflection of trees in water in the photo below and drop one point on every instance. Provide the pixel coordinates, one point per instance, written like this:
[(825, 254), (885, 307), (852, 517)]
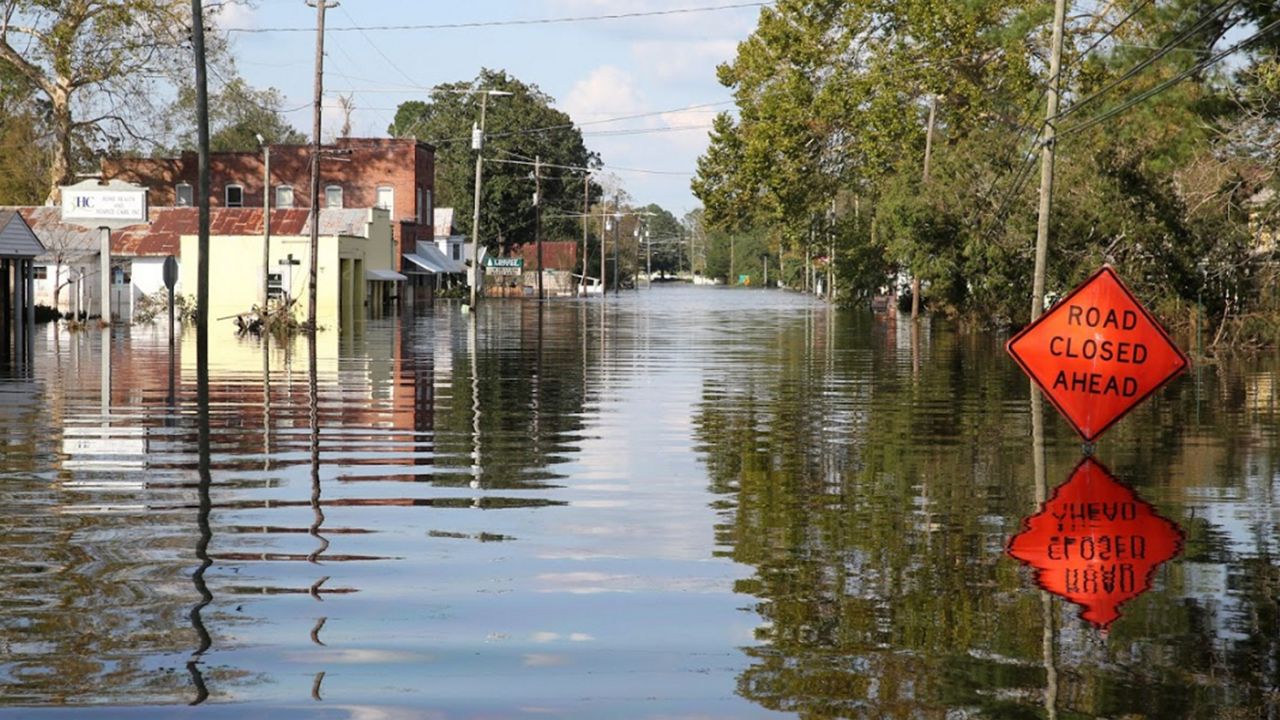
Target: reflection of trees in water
[(874, 511), (531, 391)]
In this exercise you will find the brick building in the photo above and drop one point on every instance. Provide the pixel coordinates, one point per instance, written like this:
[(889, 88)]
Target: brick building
[(392, 173)]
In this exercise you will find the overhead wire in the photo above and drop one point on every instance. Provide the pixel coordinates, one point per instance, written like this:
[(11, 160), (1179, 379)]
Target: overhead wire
[(1156, 90), (510, 22), (1165, 49)]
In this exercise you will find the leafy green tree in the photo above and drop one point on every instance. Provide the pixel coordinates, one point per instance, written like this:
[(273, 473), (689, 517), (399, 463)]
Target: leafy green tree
[(238, 113), (24, 164), (518, 128), (98, 65), (666, 239)]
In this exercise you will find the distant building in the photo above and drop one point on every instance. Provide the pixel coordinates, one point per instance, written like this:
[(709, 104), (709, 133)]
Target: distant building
[(394, 174), (357, 254)]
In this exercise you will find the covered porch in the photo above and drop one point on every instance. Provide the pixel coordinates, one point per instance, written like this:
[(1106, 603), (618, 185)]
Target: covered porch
[(18, 250)]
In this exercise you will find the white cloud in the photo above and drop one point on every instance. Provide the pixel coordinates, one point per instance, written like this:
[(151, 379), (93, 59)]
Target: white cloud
[(607, 91), (232, 15), (683, 60)]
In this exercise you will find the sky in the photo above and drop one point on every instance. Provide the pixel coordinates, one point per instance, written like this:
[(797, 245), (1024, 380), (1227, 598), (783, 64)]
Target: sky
[(595, 70)]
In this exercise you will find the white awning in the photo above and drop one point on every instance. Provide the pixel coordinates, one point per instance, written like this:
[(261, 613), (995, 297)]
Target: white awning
[(424, 264), (429, 258), (384, 275)]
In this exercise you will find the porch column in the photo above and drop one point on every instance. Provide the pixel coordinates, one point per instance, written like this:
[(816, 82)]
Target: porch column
[(31, 301), (6, 321), (19, 307)]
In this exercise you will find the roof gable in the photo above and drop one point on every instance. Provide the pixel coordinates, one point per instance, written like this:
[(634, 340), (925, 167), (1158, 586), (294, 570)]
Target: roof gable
[(16, 238)]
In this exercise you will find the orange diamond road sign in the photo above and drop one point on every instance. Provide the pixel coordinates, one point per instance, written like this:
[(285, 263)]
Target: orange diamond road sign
[(1096, 543), (1097, 354)]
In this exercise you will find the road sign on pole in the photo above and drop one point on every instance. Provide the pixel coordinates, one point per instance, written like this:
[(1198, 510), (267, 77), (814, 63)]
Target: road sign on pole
[(1097, 354), (1096, 543)]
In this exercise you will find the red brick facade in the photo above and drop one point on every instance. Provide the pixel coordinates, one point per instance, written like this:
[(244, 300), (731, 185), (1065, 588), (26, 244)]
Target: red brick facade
[(360, 166)]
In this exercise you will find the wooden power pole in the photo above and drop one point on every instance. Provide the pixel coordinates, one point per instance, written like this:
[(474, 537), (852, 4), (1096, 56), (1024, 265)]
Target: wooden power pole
[(202, 183), (321, 6), (586, 211), (1047, 159), (537, 216)]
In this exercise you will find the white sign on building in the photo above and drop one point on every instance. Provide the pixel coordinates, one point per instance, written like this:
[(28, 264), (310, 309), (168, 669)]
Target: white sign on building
[(92, 203)]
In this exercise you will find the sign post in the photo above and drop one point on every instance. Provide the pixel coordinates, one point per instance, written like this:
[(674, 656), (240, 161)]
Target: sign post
[(1097, 354)]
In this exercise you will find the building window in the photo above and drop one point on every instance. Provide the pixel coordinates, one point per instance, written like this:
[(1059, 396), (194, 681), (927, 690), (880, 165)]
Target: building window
[(386, 198), (457, 251), (182, 195), (417, 205), (40, 272), (235, 196), (333, 196), (429, 211), (284, 196)]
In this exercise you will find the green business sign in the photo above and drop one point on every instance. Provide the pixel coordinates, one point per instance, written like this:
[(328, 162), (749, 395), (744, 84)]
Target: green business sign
[(504, 266)]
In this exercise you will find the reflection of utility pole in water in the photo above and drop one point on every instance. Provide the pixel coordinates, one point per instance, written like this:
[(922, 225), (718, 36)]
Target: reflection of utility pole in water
[(1048, 612), (313, 416), (266, 400), (472, 330), (202, 522)]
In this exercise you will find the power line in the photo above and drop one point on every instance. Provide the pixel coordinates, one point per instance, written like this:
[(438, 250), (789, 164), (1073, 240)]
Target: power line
[(1148, 94), (1142, 5), (509, 23), (579, 168), (571, 125), (1165, 49)]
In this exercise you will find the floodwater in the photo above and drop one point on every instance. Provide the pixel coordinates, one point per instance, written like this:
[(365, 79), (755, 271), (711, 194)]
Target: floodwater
[(677, 503)]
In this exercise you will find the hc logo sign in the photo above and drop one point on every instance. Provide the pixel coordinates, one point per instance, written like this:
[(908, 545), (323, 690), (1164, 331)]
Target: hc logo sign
[(84, 201)]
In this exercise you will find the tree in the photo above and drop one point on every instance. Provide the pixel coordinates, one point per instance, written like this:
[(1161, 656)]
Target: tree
[(665, 237), (518, 129), (97, 64), (238, 114), (23, 143)]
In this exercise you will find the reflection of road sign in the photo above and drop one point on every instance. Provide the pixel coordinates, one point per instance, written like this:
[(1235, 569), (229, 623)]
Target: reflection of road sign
[(1097, 354), (503, 266), (1096, 543)]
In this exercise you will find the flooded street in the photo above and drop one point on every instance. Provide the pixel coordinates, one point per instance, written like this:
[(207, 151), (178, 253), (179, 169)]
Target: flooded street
[(676, 503)]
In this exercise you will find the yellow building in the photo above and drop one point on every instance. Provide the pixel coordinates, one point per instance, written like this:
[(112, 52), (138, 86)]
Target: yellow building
[(355, 270)]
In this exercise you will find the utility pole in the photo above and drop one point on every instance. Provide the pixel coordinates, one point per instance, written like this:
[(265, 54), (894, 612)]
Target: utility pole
[(586, 212), (648, 260), (617, 236), (202, 182), (924, 181), (537, 215), (604, 234), (1047, 159), (266, 224), (321, 6), (733, 279)]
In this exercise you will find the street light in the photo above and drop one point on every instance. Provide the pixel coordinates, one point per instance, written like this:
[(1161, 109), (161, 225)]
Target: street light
[(266, 222), (477, 144)]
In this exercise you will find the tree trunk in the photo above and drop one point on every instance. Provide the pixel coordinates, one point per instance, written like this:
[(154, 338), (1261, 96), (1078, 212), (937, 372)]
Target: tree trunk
[(60, 167)]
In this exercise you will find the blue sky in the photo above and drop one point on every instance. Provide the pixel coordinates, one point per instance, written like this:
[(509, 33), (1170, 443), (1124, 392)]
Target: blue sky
[(594, 70)]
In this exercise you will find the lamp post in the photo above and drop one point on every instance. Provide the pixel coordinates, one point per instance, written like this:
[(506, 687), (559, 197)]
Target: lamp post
[(266, 222), (477, 144), (617, 238)]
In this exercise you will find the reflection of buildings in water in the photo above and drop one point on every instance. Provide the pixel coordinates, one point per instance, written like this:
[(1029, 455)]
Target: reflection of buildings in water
[(1096, 543)]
